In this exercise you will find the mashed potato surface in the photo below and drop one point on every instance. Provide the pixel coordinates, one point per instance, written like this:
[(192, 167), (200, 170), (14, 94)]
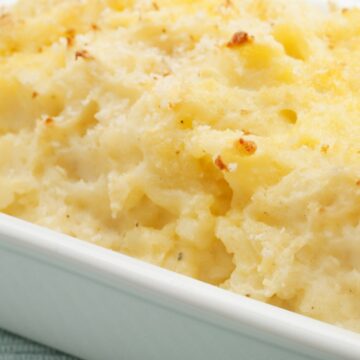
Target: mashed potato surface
[(218, 139)]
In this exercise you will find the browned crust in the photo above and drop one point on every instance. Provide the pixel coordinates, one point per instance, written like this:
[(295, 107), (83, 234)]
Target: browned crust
[(240, 38)]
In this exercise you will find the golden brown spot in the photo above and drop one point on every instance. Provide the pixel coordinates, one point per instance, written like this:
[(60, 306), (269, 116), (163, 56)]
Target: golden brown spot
[(180, 256), (49, 121), (246, 132), (83, 54), (358, 183), (239, 39), (94, 27), (325, 149), (155, 6), (220, 164), (70, 36), (34, 95), (247, 145), (228, 3)]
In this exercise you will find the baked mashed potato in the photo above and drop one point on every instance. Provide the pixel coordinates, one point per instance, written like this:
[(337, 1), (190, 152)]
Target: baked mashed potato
[(217, 139)]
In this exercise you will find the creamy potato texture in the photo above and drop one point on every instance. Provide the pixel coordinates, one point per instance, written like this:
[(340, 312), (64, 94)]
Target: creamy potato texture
[(218, 139)]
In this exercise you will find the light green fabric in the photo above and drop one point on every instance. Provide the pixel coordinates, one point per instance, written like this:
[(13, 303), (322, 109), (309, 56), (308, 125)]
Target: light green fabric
[(15, 348)]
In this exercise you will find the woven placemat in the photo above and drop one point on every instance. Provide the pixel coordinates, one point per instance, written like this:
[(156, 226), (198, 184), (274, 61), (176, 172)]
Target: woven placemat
[(13, 347)]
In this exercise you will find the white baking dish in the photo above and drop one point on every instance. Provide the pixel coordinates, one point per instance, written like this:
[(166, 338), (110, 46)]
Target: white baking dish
[(97, 304)]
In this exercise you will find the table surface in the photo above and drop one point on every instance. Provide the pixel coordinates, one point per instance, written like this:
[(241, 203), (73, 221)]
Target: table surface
[(16, 348)]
